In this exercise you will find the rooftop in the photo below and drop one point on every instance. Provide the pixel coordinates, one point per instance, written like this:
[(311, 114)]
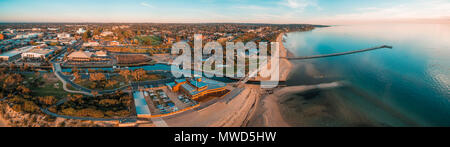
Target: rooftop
[(40, 51), (141, 104), (211, 84), (10, 53), (80, 54)]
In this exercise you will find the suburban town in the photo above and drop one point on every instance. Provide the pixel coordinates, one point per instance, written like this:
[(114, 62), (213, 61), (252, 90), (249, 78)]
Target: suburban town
[(117, 74)]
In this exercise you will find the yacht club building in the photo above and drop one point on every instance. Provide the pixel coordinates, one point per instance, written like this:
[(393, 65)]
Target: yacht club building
[(197, 88)]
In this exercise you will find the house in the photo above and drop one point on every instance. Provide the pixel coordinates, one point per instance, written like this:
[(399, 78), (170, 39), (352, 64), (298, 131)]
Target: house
[(64, 35), (80, 56), (107, 33), (114, 43), (101, 53), (81, 31), (91, 43)]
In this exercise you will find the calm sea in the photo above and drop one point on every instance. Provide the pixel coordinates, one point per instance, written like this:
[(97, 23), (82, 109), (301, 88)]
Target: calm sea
[(405, 86)]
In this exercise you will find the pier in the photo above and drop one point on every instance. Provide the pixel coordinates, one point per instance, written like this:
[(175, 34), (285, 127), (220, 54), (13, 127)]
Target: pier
[(337, 54)]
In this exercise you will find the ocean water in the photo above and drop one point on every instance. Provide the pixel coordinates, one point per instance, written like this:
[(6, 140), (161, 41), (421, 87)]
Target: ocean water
[(404, 86)]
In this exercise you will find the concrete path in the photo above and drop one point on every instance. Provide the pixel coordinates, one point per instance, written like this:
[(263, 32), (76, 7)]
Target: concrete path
[(57, 71)]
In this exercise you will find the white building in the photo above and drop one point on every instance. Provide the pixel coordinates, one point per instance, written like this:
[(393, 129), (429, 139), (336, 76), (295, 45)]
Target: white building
[(64, 35), (81, 31), (37, 53), (28, 35)]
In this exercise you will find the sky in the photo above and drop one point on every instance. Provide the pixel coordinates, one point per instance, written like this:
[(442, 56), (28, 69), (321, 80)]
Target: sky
[(224, 11)]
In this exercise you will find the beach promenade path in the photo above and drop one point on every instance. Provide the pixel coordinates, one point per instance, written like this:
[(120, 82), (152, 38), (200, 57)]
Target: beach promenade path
[(57, 71)]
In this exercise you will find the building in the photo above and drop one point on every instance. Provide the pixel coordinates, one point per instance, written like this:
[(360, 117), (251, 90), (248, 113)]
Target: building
[(39, 53), (142, 109), (10, 56), (114, 43), (28, 35), (80, 56), (14, 54), (52, 29), (107, 33), (197, 88), (101, 53), (64, 35), (81, 31), (91, 43)]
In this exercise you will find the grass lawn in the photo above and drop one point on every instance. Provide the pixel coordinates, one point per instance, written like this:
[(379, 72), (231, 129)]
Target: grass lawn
[(41, 86), (50, 89)]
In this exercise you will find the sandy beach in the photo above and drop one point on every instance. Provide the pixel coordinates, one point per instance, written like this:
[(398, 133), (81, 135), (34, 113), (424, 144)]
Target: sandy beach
[(285, 65), (268, 113), (272, 116)]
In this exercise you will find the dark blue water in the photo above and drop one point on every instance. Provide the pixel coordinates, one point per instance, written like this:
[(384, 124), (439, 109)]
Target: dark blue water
[(405, 86)]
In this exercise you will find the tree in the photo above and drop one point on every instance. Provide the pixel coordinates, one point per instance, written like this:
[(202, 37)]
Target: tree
[(125, 73), (23, 89), (47, 100), (77, 76), (139, 74), (87, 35), (94, 93), (97, 77)]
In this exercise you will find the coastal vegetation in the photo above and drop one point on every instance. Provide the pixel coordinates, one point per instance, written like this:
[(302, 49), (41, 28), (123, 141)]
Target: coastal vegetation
[(99, 81), (104, 106), (28, 93)]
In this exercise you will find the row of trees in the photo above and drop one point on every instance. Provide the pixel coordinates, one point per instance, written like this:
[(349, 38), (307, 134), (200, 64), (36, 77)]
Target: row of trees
[(96, 81), (139, 75)]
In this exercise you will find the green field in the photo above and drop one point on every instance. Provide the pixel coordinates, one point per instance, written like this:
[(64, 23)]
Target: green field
[(149, 40), (44, 87)]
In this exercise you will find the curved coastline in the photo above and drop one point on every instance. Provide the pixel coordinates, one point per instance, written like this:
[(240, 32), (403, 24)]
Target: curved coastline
[(294, 107), (268, 112)]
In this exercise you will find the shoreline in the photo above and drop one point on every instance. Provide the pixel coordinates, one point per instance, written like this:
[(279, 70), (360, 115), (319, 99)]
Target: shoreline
[(272, 116), (268, 113), (285, 65)]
